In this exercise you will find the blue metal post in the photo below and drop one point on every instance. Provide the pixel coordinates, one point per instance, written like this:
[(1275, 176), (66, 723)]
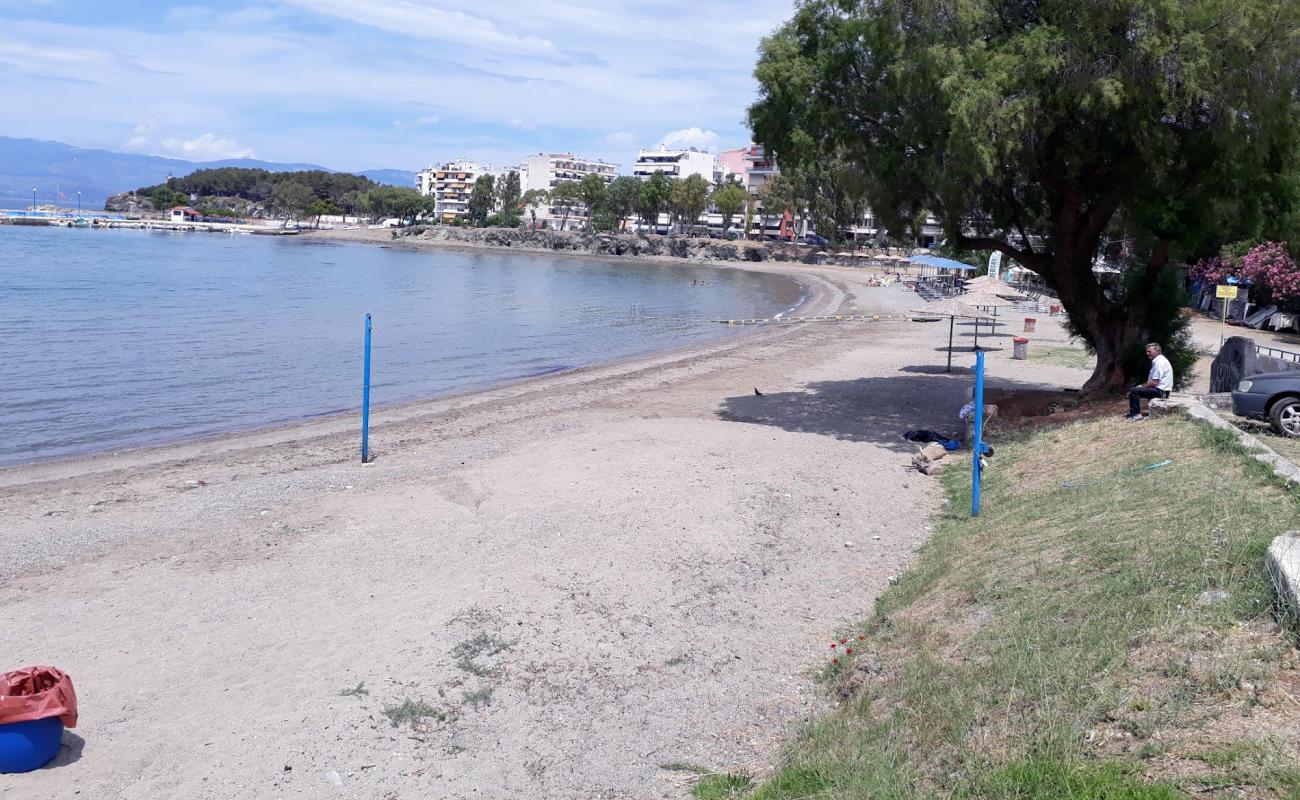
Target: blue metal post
[(365, 400), (979, 434)]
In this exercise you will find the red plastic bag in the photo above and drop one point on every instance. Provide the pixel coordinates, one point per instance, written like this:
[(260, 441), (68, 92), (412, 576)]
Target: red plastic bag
[(36, 693)]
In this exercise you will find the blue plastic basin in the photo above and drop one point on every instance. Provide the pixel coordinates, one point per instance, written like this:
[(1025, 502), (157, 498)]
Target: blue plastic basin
[(25, 746)]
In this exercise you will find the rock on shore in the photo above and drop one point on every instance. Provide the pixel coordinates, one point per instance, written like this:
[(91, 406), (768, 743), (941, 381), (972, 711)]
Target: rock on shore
[(613, 244)]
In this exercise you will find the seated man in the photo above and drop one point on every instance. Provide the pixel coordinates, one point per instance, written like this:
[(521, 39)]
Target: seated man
[(1160, 382)]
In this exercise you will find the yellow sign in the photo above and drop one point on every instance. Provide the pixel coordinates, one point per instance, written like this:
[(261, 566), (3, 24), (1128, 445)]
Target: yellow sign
[(1225, 292)]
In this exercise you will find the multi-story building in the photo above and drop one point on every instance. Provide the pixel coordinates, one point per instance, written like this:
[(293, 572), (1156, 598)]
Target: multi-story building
[(545, 171), (451, 184), (424, 181), (760, 168), (674, 163)]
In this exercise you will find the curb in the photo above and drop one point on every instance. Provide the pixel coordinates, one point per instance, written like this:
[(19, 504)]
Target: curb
[(1287, 471)]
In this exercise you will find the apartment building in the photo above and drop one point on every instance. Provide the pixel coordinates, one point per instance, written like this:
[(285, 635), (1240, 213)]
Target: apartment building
[(760, 168), (450, 185), (545, 171), (675, 164)]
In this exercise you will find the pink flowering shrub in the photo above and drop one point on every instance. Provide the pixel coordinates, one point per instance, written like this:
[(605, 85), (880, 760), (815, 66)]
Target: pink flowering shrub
[(1213, 270), (1270, 265), (1267, 265)]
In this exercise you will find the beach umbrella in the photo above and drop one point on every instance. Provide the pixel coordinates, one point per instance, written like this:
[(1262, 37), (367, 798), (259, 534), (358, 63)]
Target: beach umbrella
[(952, 308)]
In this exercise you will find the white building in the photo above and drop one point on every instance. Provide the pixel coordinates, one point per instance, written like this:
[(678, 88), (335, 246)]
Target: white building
[(675, 164), (451, 184), (545, 171)]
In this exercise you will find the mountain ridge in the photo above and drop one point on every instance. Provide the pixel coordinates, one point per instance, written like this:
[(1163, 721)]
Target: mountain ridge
[(55, 168)]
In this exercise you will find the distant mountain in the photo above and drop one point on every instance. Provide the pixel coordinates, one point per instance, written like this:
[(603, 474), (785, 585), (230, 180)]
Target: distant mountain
[(58, 171), (392, 177)]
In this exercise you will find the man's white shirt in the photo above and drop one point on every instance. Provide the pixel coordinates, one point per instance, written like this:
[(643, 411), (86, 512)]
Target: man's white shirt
[(1162, 372)]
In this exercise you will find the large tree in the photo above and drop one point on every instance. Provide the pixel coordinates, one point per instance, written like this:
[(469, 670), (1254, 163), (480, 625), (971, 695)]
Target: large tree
[(622, 197), (532, 200), (729, 199), (482, 200), (653, 199), (689, 198), (292, 198), (509, 195), (1039, 127), (565, 197), (593, 191)]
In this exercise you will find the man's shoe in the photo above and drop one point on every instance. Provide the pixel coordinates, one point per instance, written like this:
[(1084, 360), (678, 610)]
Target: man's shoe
[(1131, 417), (1139, 417)]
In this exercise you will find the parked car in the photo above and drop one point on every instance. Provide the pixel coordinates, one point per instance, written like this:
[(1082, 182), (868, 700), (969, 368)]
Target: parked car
[(1274, 396)]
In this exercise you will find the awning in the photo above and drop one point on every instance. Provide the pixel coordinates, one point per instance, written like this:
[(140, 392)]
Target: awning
[(942, 263)]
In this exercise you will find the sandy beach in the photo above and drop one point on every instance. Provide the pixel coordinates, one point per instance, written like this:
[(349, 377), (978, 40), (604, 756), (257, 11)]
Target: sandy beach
[(585, 577)]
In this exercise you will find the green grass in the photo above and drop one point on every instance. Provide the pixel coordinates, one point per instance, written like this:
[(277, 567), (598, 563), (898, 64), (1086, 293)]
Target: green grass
[(411, 712), (1061, 355), (720, 786), (480, 645), (1058, 615), (479, 698)]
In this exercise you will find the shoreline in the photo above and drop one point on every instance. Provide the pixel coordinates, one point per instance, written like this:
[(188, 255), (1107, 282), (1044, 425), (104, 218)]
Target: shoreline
[(658, 550), (381, 238), (337, 423)]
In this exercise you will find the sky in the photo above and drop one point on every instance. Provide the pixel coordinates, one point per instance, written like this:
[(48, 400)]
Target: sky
[(362, 84)]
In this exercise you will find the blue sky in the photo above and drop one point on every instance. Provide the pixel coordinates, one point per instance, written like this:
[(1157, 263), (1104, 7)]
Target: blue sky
[(358, 84)]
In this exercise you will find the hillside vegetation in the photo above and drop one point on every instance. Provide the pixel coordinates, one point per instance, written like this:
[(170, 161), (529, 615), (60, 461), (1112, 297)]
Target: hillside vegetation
[(1105, 629)]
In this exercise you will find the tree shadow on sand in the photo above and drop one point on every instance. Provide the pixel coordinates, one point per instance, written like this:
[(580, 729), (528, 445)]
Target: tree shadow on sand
[(872, 410)]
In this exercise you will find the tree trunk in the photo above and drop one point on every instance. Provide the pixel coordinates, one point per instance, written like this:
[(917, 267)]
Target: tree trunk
[(1110, 330)]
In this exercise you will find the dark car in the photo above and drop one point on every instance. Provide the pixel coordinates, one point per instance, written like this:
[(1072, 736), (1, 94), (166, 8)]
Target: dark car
[(1274, 396)]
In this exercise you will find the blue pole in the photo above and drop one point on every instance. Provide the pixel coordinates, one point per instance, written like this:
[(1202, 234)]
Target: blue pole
[(979, 434), (365, 400)]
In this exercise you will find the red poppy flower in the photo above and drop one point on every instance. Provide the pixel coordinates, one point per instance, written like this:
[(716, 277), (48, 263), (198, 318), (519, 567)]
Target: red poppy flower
[(849, 651), (835, 661)]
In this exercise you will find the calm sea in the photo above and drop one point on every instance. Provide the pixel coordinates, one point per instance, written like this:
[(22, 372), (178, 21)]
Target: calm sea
[(116, 338)]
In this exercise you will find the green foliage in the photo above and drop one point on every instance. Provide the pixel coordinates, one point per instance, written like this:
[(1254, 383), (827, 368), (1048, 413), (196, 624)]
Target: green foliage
[(394, 201), (652, 200), (1046, 778), (482, 199), (258, 185), (508, 196), (622, 198), (730, 199), (594, 196), (565, 197), (1048, 616), (720, 786), (689, 198), (411, 712), (1046, 126), (532, 200), (291, 198)]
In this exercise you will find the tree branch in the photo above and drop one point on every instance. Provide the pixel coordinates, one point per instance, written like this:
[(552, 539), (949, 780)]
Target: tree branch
[(1038, 262)]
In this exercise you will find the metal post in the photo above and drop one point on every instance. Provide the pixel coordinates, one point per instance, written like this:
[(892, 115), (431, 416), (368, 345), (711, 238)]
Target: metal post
[(951, 322), (979, 434), (365, 400)]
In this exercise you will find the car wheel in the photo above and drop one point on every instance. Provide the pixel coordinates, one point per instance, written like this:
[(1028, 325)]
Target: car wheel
[(1285, 416)]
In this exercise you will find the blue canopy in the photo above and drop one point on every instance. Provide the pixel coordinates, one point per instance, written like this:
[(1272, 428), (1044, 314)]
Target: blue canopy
[(942, 263)]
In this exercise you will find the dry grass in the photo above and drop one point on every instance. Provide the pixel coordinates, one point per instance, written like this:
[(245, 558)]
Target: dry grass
[(1054, 647)]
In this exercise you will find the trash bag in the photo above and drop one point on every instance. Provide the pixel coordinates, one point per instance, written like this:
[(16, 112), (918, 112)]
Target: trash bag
[(37, 693)]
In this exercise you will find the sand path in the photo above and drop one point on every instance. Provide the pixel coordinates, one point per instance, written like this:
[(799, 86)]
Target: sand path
[(659, 556)]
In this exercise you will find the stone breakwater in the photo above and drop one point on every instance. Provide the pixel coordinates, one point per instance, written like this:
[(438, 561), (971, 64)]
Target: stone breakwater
[(612, 244)]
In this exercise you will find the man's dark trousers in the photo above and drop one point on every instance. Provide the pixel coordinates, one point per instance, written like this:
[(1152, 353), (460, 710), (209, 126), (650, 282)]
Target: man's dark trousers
[(1136, 393)]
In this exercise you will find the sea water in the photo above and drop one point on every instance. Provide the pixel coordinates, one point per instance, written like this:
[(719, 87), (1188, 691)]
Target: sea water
[(118, 338)]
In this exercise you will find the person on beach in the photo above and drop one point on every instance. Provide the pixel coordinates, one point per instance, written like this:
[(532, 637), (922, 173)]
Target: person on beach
[(1160, 382)]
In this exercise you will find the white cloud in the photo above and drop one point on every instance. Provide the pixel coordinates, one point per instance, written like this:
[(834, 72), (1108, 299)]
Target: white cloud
[(207, 147), (423, 21), (418, 122), (355, 84), (691, 137)]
